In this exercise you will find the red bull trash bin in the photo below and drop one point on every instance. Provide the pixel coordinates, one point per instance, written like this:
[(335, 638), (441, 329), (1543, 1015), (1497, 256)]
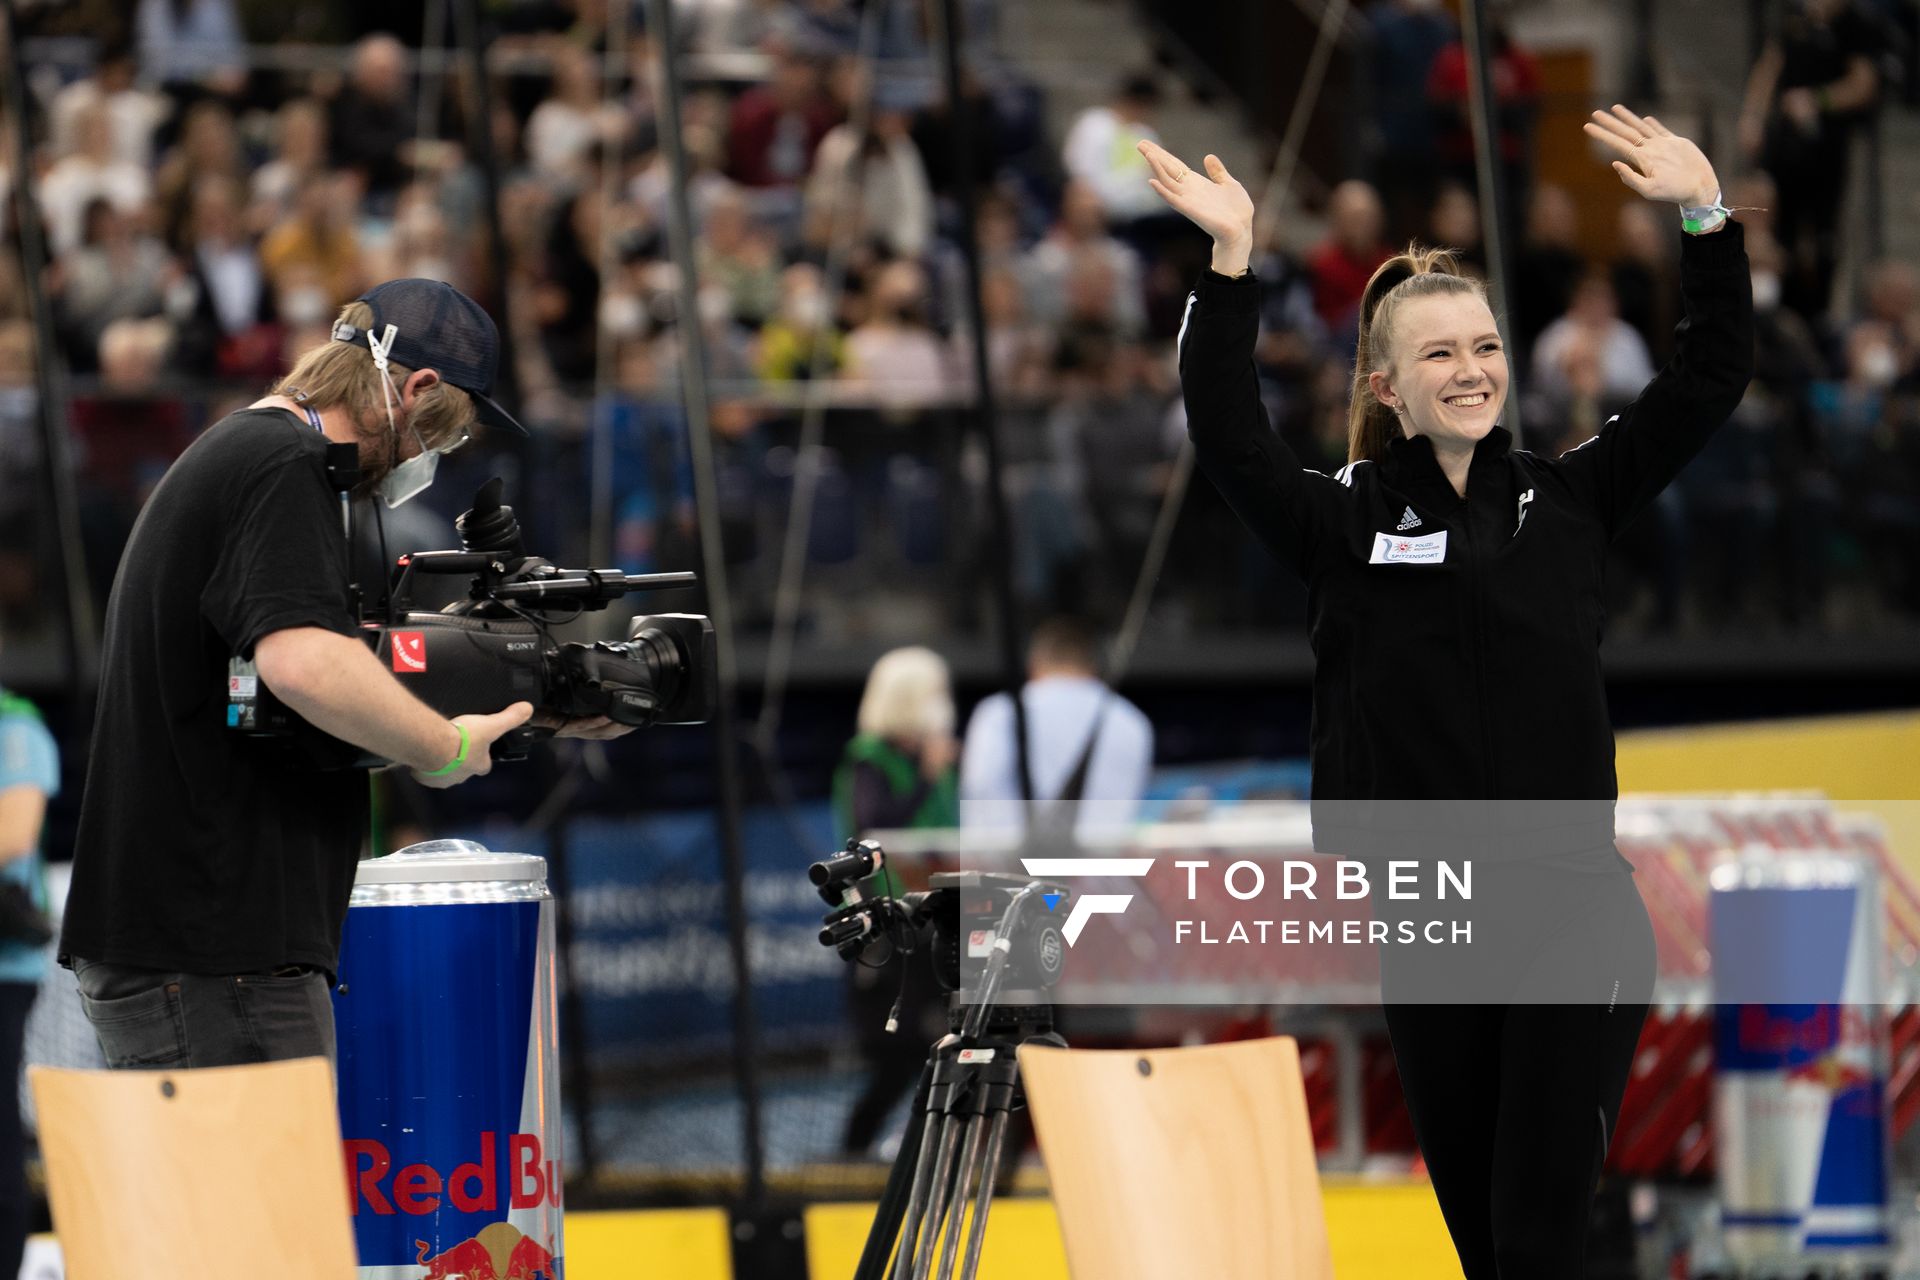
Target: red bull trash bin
[(449, 1081), (1800, 1059)]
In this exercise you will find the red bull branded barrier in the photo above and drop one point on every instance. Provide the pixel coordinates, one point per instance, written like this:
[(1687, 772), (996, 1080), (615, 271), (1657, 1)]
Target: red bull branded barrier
[(449, 1087), (1800, 1057)]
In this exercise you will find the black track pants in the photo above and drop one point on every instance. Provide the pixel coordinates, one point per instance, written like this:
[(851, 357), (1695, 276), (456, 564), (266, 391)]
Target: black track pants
[(1515, 1102)]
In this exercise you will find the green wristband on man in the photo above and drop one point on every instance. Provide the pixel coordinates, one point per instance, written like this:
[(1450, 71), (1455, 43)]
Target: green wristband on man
[(454, 764)]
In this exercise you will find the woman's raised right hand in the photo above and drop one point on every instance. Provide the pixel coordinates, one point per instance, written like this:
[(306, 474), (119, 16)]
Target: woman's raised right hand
[(1214, 201)]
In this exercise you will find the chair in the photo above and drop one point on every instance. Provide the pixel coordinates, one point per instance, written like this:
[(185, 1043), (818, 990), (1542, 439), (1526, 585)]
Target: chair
[(1181, 1162), (219, 1173)]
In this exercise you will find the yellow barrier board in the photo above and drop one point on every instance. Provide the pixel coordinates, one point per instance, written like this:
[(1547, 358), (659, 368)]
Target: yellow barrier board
[(1379, 1231), (649, 1244)]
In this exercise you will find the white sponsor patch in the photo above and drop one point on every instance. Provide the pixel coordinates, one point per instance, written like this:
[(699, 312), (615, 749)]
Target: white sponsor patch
[(1389, 548)]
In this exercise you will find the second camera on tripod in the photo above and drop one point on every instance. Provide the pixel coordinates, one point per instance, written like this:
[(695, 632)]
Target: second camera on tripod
[(962, 919)]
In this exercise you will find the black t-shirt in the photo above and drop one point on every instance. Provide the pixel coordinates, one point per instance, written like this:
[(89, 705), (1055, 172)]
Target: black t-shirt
[(201, 849)]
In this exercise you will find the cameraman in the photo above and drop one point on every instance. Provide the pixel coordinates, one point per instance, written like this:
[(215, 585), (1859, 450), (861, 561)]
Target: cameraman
[(211, 870)]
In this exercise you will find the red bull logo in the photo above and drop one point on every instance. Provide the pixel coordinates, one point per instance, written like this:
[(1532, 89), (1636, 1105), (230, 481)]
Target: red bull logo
[(1832, 1074), (1764, 1030), (499, 1252), (472, 1187)]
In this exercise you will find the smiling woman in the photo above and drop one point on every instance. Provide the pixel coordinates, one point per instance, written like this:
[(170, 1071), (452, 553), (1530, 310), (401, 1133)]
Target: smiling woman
[(1456, 604), (1431, 362)]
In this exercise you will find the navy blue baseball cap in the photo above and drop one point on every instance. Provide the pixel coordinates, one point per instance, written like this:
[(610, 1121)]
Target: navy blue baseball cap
[(438, 327)]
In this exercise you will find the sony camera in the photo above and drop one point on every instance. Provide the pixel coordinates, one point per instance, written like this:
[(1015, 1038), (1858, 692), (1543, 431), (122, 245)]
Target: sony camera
[(494, 648)]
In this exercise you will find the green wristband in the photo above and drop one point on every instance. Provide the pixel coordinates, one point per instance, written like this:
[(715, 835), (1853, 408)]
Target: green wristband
[(458, 760), (1700, 219)]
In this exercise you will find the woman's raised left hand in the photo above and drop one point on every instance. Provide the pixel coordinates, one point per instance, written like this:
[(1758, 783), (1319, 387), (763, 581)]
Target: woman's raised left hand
[(1654, 160)]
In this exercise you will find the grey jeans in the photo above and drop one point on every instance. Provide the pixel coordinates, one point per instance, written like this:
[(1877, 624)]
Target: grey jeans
[(151, 1019)]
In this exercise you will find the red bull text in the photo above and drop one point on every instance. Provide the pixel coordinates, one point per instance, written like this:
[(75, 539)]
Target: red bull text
[(449, 1105), (1800, 1059)]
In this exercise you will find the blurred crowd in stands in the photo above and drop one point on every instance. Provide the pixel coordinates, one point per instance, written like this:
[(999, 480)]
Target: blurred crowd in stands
[(206, 216)]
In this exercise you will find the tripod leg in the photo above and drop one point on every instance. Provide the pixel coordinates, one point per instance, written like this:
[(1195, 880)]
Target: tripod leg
[(917, 1202), (893, 1200), (942, 1197), (989, 1169), (962, 1194)]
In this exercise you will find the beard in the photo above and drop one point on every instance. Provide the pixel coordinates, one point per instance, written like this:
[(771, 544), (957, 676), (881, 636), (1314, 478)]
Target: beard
[(379, 455)]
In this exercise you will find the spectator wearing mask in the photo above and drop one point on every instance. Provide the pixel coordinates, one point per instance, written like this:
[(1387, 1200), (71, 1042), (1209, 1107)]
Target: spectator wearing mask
[(802, 335), (894, 353), (1847, 411), (1787, 354), (1890, 293), (1812, 88), (1086, 745)]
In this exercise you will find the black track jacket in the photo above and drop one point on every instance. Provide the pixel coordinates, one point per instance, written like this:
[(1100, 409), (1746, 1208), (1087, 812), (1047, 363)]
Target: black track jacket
[(1457, 642)]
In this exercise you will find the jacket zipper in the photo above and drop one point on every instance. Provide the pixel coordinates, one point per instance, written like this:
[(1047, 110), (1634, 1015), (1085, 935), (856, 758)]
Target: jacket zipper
[(1479, 653)]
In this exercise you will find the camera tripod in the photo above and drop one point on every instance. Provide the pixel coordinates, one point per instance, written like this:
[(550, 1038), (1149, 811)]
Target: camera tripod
[(953, 1147)]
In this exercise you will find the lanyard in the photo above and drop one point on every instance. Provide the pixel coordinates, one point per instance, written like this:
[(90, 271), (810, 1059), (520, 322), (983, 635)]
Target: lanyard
[(346, 511)]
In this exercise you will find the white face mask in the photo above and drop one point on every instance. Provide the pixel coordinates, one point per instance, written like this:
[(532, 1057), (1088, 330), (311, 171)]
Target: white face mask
[(623, 314), (408, 479), (1766, 290), (1879, 366)]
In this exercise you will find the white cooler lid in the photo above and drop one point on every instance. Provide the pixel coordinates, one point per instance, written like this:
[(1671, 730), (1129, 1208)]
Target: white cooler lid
[(440, 861)]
